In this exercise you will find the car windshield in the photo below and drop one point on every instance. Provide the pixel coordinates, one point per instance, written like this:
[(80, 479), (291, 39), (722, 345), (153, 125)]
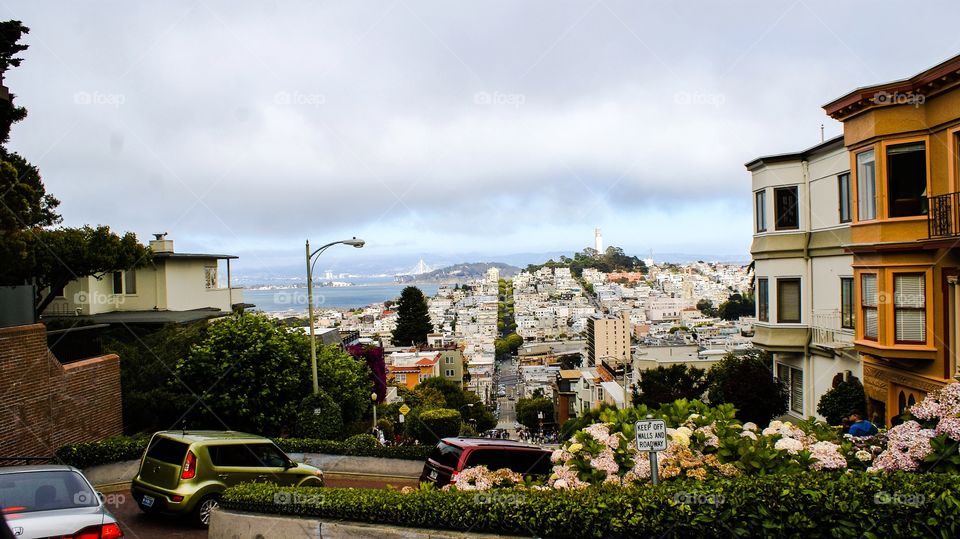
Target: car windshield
[(446, 455), (24, 492)]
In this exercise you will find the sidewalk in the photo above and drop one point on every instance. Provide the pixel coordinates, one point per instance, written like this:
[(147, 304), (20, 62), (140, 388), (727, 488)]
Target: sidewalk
[(120, 473)]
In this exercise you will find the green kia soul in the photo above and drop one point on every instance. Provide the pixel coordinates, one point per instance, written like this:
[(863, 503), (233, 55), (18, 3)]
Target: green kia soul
[(185, 472)]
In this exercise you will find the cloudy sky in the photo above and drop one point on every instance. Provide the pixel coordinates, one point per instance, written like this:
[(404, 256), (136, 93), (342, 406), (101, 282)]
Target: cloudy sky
[(441, 127)]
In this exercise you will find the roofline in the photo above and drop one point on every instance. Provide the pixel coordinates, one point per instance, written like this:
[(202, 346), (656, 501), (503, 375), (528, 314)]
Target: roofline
[(194, 255), (933, 80), (795, 156)]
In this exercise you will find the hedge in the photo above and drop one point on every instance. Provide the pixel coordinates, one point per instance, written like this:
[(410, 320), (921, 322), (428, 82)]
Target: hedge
[(810, 504), (122, 448)]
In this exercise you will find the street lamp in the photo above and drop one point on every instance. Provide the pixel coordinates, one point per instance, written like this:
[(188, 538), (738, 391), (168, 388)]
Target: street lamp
[(373, 397), (312, 257)]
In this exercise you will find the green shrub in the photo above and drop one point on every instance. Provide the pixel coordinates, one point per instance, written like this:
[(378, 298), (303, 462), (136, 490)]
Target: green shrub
[(432, 425), (808, 504), (113, 449), (842, 400), (319, 416), (361, 442), (123, 448)]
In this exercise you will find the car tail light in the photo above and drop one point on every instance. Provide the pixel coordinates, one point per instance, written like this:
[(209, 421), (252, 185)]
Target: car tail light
[(106, 531), (189, 466), (176, 499)]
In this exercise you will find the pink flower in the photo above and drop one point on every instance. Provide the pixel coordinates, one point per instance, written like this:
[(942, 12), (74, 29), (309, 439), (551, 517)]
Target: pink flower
[(949, 426), (827, 456)]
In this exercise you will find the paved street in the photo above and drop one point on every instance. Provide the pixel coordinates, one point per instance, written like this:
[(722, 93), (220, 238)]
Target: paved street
[(508, 377)]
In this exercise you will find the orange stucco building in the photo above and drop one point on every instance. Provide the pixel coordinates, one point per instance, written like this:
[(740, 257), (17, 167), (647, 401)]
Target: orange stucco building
[(904, 143)]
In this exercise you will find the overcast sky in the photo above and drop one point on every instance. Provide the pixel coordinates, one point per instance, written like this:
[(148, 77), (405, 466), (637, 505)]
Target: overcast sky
[(441, 127)]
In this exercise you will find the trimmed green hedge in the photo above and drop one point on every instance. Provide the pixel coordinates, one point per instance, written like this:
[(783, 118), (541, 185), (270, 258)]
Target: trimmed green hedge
[(121, 448), (113, 449), (810, 504)]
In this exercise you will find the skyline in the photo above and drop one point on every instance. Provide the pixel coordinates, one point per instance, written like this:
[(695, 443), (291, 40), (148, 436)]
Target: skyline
[(406, 126)]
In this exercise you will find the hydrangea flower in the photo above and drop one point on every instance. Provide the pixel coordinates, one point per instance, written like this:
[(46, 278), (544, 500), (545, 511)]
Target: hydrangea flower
[(826, 456), (789, 445)]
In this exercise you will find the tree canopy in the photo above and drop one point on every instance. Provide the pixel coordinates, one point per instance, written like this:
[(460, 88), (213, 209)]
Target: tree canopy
[(611, 260), (746, 382), (529, 410), (413, 318), (664, 385), (251, 373), (737, 305)]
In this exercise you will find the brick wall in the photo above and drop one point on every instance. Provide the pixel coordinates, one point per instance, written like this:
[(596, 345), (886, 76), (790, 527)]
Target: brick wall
[(44, 405)]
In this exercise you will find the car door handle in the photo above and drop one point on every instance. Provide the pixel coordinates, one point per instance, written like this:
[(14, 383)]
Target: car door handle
[(223, 476), (263, 476)]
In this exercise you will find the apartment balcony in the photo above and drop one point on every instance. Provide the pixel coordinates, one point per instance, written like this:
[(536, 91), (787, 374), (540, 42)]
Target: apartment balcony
[(943, 217), (827, 331)]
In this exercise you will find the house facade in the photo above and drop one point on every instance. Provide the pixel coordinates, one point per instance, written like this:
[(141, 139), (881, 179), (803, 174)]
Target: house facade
[(804, 280), (172, 287), (904, 144)]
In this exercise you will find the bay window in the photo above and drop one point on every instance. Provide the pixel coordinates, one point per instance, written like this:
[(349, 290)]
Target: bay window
[(907, 179), (868, 305)]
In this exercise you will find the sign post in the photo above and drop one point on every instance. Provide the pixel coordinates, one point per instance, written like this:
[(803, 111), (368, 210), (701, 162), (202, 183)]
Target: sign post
[(652, 437), (404, 410)]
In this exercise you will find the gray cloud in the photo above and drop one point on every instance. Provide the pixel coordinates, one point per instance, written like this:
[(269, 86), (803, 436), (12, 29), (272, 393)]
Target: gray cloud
[(431, 125)]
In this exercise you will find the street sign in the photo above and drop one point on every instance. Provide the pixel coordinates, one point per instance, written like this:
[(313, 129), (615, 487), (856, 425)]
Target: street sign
[(404, 409), (651, 435)]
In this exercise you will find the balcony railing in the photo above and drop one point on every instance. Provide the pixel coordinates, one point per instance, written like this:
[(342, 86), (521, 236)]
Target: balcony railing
[(827, 332), (943, 217)]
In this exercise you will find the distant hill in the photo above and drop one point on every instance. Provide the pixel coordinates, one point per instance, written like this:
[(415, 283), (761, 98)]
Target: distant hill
[(462, 272)]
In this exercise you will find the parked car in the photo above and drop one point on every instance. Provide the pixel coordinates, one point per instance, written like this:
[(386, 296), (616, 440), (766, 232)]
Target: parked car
[(53, 501), (453, 455), (185, 472)]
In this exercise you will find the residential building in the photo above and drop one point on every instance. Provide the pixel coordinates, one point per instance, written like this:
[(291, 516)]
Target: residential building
[(608, 337), (173, 287), (904, 144), (803, 275)]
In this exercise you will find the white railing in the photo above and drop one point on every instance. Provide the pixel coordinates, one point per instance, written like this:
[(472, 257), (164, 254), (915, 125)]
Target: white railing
[(827, 331)]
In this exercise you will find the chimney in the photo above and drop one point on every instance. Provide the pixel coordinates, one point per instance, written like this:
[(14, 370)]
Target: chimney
[(161, 244)]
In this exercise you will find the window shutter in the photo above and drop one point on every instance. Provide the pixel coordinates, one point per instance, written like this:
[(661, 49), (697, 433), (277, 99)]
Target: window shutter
[(868, 290), (870, 323), (908, 291), (796, 390), (909, 303), (788, 301), (911, 326)]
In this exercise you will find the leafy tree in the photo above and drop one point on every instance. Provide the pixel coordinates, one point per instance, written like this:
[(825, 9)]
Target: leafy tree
[(466, 402), (706, 307), (842, 400), (413, 318), (62, 255), (319, 416), (514, 342), (431, 425), (251, 373), (501, 347), (570, 361), (664, 385), (746, 382), (529, 409), (151, 397), (736, 306)]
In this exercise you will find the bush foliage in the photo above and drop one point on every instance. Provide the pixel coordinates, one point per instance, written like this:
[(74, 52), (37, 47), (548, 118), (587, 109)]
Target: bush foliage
[(123, 448), (808, 504), (842, 400)]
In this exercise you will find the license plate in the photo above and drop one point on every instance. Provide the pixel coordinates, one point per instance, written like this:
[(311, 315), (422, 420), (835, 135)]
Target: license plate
[(433, 474), (148, 501)]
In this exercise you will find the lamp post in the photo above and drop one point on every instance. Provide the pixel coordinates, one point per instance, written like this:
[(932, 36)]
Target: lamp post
[(373, 397), (312, 257)]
